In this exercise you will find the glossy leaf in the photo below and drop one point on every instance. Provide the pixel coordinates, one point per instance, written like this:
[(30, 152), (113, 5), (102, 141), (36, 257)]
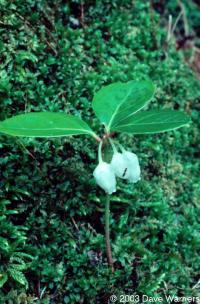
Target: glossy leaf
[(44, 124), (117, 101), (153, 121)]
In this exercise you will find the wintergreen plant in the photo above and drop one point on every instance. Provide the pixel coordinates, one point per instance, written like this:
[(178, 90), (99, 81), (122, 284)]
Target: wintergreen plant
[(118, 108)]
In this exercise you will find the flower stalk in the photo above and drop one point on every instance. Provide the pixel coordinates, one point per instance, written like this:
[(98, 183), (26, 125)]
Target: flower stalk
[(123, 165), (107, 232), (100, 152)]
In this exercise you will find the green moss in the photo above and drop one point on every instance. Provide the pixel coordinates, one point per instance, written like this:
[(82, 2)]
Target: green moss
[(52, 59)]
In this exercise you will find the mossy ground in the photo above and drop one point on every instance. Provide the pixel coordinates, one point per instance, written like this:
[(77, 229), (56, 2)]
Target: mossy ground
[(54, 56)]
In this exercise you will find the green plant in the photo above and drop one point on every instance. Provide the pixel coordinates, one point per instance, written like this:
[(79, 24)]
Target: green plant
[(154, 223), (12, 245), (116, 106)]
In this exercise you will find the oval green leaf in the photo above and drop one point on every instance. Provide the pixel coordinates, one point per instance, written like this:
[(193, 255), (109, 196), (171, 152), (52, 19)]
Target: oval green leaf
[(45, 124), (117, 101), (154, 121)]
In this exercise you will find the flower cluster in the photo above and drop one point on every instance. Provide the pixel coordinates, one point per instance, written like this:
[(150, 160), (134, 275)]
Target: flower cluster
[(123, 165)]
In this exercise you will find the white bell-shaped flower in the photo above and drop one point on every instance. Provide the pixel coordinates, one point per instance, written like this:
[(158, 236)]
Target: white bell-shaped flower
[(120, 165), (105, 177), (133, 167)]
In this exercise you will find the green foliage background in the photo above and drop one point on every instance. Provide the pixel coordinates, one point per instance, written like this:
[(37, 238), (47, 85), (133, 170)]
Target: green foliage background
[(54, 56)]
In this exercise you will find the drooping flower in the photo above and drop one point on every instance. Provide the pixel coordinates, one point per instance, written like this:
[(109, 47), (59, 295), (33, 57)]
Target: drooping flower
[(126, 165), (133, 167), (119, 165), (105, 177)]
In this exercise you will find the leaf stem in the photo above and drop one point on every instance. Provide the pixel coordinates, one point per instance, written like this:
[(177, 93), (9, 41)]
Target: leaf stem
[(96, 137), (107, 232)]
